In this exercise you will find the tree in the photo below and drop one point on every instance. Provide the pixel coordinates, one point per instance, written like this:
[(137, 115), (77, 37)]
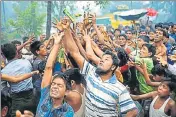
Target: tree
[(26, 22), (48, 23)]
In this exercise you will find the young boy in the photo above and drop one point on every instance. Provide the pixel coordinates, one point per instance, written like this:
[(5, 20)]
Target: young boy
[(162, 105)]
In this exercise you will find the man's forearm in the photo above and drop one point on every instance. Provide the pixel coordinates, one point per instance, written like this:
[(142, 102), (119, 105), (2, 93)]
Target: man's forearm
[(132, 113)]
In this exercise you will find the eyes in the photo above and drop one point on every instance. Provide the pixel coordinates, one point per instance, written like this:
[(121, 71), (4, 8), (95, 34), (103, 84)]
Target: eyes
[(58, 85)]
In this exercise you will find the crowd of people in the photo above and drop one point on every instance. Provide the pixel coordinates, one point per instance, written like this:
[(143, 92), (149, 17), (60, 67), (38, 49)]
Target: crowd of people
[(88, 70)]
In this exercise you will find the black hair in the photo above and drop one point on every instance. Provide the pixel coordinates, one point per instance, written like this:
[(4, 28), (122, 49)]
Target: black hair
[(129, 31), (145, 38), (63, 77), (16, 42), (114, 57), (74, 74), (117, 30), (171, 85), (9, 51), (164, 32), (151, 49), (35, 46), (123, 56), (158, 69), (25, 39), (152, 31), (142, 30), (158, 25), (123, 35), (173, 25)]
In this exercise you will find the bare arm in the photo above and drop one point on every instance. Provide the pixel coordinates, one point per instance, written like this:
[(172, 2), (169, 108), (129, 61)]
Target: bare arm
[(50, 62), (100, 36), (132, 113), (146, 76), (89, 51), (81, 49), (144, 96), (24, 44), (71, 47), (173, 108), (96, 49), (18, 78)]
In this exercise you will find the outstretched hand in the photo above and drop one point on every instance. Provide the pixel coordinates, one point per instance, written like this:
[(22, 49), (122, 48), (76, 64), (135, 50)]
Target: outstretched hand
[(62, 24), (58, 37)]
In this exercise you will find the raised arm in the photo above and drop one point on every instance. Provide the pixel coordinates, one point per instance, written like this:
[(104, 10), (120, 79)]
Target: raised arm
[(31, 38), (51, 60), (146, 76), (18, 78), (81, 49), (89, 51), (96, 49), (100, 36), (71, 46)]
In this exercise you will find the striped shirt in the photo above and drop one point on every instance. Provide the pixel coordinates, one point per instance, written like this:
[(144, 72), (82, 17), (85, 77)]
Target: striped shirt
[(102, 98)]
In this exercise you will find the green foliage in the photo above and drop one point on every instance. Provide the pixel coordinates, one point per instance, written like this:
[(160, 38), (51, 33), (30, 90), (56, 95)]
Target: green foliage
[(28, 21), (102, 3)]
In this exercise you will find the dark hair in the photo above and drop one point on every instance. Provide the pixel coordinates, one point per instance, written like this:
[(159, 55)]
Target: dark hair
[(16, 42), (152, 31), (145, 38), (25, 39), (35, 46), (129, 31), (117, 30), (162, 30), (158, 25), (9, 51), (123, 35), (74, 74), (151, 49), (173, 25), (158, 69), (123, 56), (171, 85), (63, 77), (114, 57), (142, 30)]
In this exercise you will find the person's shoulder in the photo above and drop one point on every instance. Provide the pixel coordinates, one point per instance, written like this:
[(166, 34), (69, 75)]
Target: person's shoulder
[(171, 103)]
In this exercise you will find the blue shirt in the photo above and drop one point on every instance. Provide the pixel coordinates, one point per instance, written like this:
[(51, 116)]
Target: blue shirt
[(14, 68), (45, 109), (102, 97), (173, 36)]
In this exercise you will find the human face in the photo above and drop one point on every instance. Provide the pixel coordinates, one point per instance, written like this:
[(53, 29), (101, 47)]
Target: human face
[(129, 35), (144, 52), (122, 41), (174, 28), (151, 35), (143, 33), (163, 90), (57, 89), (140, 42), (158, 36), (157, 78), (105, 64), (42, 50), (117, 33)]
